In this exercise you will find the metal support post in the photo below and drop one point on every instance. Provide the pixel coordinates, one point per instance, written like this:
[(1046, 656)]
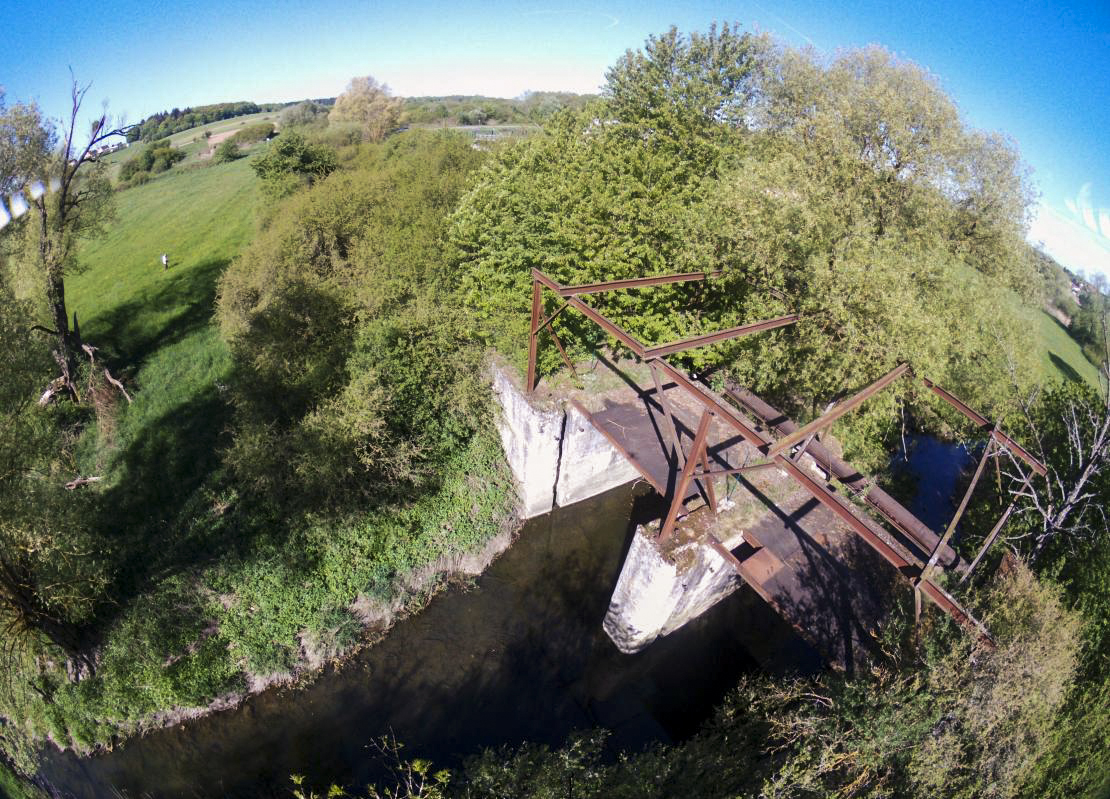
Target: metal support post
[(684, 479), (989, 542), (537, 307), (671, 430), (935, 556)]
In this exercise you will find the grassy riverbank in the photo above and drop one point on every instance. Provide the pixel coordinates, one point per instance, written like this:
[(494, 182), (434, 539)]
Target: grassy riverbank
[(215, 592)]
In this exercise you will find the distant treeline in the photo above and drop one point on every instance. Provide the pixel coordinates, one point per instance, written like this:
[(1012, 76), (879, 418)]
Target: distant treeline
[(157, 126), (478, 110)]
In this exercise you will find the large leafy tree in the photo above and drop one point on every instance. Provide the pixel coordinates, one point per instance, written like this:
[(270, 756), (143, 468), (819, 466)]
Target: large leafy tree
[(609, 191), (370, 105), (848, 191), (50, 573)]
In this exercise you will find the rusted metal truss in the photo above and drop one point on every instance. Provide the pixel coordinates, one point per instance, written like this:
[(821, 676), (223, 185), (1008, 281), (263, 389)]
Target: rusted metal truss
[(715, 408)]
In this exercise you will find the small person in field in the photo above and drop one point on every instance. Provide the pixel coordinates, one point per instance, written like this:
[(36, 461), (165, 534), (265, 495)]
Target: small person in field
[(165, 262)]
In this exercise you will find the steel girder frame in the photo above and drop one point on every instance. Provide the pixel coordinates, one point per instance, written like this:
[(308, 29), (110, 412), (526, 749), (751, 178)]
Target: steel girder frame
[(655, 357)]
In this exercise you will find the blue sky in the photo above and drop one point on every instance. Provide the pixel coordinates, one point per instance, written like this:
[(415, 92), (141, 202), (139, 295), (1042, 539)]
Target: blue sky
[(1039, 72)]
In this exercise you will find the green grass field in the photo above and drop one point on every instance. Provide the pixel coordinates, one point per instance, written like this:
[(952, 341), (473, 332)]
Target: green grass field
[(1061, 356), (186, 137), (154, 328)]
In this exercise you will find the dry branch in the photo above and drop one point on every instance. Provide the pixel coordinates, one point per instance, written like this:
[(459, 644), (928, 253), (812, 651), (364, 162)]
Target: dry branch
[(82, 481)]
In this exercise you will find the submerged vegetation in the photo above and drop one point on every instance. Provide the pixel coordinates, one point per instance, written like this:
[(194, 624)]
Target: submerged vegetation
[(308, 423)]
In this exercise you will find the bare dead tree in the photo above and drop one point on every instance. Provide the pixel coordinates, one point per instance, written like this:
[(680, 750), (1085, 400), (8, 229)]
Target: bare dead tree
[(74, 205), (1074, 444)]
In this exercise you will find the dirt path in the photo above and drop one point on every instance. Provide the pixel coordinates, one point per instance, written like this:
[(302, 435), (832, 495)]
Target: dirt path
[(214, 141)]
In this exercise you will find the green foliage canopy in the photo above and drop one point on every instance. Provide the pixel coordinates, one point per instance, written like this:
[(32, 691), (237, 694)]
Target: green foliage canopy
[(850, 192), (154, 158), (292, 161), (368, 104), (227, 150), (344, 350), (255, 132)]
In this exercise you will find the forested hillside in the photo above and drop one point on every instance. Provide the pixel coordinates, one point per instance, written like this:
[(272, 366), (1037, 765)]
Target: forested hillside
[(309, 436), (532, 107), (166, 123)]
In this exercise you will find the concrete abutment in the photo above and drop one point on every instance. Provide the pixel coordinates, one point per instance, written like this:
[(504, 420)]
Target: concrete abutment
[(559, 458)]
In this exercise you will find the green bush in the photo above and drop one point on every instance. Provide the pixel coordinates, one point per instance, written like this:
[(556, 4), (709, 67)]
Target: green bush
[(346, 352), (255, 132), (155, 157), (293, 156), (305, 113), (227, 151), (137, 179)]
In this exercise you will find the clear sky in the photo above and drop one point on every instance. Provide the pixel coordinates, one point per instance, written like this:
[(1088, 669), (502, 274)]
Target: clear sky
[(1037, 71)]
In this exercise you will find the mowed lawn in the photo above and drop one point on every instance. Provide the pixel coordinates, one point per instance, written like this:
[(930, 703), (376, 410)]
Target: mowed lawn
[(155, 329), (1061, 356)]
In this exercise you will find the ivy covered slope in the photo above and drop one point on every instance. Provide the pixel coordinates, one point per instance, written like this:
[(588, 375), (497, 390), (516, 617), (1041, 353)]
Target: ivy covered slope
[(308, 428)]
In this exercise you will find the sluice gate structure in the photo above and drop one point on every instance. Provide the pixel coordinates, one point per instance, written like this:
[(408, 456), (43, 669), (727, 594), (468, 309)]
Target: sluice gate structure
[(823, 546)]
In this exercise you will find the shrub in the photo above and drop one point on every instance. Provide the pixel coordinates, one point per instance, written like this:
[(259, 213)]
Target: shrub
[(227, 151), (293, 155), (352, 375), (137, 179), (253, 133), (156, 157), (303, 114)]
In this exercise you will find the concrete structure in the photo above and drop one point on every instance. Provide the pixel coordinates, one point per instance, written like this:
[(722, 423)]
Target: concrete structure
[(556, 455), (655, 596), (559, 457)]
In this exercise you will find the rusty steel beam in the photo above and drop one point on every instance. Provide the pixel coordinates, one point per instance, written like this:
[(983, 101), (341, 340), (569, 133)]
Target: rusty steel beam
[(723, 335), (672, 429), (989, 542), (715, 404), (935, 593), (935, 556), (551, 318), (746, 575), (724, 552), (823, 421), (634, 282), (876, 498), (551, 284), (740, 470), (613, 329), (986, 424), (684, 479), (562, 352), (708, 482), (537, 308)]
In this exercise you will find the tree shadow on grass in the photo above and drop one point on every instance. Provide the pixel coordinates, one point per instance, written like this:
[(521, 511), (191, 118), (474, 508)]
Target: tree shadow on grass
[(154, 516), (128, 334), (1065, 368)]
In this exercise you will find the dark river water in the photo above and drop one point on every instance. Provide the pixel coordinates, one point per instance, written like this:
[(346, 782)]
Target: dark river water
[(520, 657), (936, 467)]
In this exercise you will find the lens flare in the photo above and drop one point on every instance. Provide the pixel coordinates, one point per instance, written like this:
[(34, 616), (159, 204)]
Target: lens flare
[(19, 205)]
